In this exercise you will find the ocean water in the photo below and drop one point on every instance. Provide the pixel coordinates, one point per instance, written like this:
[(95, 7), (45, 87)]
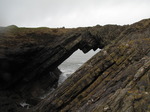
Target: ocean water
[(70, 65)]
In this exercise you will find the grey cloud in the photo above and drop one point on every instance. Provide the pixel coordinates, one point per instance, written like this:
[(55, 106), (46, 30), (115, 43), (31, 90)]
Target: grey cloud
[(72, 13)]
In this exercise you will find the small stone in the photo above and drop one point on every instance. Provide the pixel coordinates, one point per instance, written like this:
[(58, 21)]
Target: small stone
[(106, 108)]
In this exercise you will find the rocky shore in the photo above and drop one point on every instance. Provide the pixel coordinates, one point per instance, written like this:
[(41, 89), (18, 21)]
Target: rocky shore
[(117, 79)]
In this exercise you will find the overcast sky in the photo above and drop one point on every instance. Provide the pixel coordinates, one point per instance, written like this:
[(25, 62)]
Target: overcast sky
[(72, 13)]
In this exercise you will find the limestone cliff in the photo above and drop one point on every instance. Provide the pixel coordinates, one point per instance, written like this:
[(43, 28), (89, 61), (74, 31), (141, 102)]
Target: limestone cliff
[(117, 79)]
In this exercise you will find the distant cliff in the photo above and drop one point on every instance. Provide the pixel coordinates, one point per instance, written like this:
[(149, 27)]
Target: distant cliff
[(117, 79)]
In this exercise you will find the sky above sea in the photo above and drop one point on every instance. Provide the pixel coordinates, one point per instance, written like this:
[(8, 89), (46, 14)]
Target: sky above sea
[(72, 13)]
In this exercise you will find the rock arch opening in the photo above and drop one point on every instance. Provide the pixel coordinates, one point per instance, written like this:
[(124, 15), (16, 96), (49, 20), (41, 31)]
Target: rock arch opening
[(75, 61)]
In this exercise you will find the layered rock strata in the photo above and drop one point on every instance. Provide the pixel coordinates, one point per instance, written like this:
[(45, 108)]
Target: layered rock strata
[(116, 79)]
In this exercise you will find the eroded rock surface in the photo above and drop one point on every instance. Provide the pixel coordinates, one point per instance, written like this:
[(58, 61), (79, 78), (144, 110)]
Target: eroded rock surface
[(116, 79)]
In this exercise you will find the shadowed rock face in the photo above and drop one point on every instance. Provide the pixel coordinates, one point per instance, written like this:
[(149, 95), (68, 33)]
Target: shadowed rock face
[(116, 79), (29, 53)]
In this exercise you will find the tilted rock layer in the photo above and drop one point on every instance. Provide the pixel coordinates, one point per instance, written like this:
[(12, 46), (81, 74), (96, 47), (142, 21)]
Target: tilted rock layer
[(117, 79)]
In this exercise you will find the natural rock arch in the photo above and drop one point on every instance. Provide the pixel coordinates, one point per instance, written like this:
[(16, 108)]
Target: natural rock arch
[(116, 75)]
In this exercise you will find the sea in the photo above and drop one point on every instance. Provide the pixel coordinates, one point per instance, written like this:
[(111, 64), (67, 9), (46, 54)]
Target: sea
[(71, 64)]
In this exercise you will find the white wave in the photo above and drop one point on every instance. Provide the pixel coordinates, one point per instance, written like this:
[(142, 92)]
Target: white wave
[(80, 64), (25, 105)]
